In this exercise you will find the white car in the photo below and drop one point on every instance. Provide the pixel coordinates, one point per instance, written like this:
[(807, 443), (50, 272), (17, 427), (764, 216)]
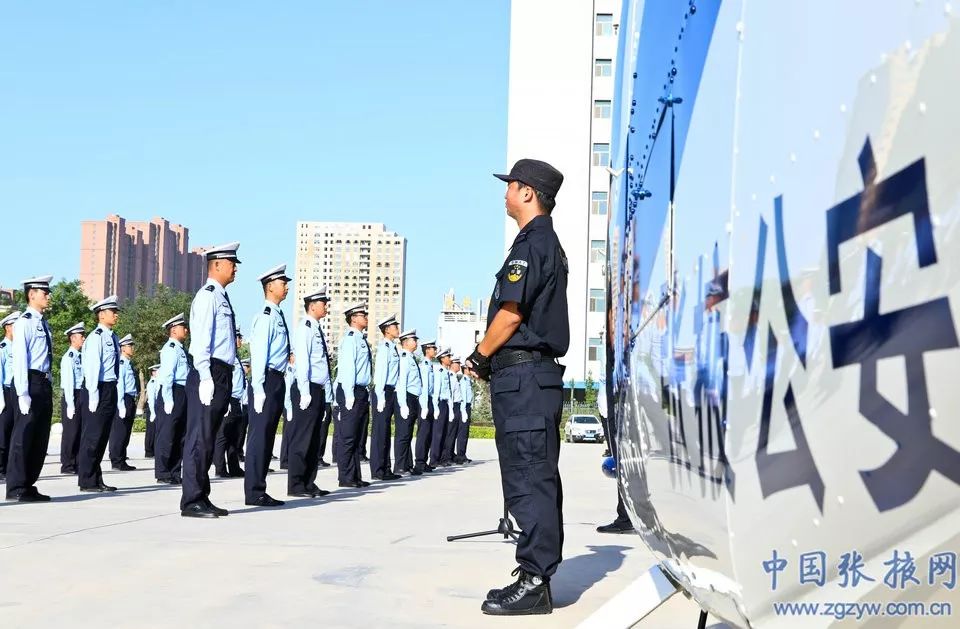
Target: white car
[(584, 428)]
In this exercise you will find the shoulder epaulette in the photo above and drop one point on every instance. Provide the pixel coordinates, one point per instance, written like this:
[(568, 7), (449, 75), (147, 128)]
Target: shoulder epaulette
[(209, 288), (172, 344), (266, 310), (307, 321), (98, 331), (27, 315), (403, 353), (70, 353), (3, 343), (350, 333)]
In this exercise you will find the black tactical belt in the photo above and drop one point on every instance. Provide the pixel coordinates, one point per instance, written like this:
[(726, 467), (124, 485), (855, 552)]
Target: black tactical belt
[(510, 357)]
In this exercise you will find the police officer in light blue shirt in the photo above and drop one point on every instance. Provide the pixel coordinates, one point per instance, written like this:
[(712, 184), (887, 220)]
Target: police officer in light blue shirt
[(226, 453), (441, 402), (170, 403), (353, 378), (308, 397), (101, 370), (71, 381), (269, 354), (150, 432), (409, 387), (385, 374), (427, 408), (6, 378), (31, 357), (213, 347), (466, 412), (126, 408), (456, 413)]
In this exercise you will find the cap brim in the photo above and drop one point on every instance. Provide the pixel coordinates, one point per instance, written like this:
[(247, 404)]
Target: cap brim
[(506, 178)]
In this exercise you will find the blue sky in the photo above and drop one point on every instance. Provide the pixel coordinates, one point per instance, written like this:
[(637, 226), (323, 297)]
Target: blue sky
[(238, 119)]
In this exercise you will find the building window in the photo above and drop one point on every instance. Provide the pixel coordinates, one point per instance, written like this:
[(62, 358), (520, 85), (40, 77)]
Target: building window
[(598, 251), (598, 203), (603, 67), (604, 24), (601, 109), (594, 350), (598, 300), (601, 154)]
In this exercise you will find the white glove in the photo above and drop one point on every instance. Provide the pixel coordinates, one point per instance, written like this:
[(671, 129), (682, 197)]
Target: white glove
[(404, 412), (206, 391), (423, 413), (94, 401), (168, 407), (305, 400), (24, 403), (258, 400), (70, 411), (3, 403), (347, 403), (381, 403), (122, 410)]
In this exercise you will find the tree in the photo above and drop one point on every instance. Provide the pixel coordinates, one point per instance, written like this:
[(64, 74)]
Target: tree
[(68, 307), (143, 318), (590, 393)]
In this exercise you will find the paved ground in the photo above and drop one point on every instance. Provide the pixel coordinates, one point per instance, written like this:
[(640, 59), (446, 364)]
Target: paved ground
[(375, 557)]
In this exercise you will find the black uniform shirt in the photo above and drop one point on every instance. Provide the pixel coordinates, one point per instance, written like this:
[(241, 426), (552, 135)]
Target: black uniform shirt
[(534, 275)]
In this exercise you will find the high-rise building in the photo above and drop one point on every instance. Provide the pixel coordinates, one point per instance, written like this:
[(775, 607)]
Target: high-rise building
[(560, 100), (460, 326), (118, 256), (357, 262)]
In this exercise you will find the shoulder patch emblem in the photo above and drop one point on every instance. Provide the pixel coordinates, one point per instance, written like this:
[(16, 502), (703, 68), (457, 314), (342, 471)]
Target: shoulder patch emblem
[(350, 333), (172, 344), (209, 288), (516, 270), (27, 315), (98, 331), (70, 354), (266, 310), (307, 322)]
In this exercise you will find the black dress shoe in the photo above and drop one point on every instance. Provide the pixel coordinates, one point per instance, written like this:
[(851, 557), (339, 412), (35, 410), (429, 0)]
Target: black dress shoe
[(529, 595), (242, 458), (270, 470), (237, 474), (93, 490), (148, 455), (358, 485), (222, 475), (264, 501), (284, 467), (364, 459), (68, 470), (166, 481), (198, 510), (317, 492), (391, 476), (124, 467), (323, 463), (273, 458), (105, 487), (616, 528), (416, 472), (220, 512), (33, 496)]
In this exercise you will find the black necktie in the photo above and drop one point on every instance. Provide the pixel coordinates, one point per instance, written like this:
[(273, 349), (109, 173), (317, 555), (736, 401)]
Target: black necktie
[(233, 320), (46, 333), (286, 329), (326, 354), (116, 356)]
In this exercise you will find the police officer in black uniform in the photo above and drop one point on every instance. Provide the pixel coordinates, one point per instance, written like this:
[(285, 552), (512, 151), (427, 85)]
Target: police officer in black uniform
[(528, 329)]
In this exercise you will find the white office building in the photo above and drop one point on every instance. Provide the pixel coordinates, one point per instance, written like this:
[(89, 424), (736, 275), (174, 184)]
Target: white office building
[(460, 326), (561, 85), (357, 262)]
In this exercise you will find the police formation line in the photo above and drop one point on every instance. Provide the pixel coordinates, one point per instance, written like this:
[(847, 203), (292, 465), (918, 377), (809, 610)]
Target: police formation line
[(204, 405), (201, 397)]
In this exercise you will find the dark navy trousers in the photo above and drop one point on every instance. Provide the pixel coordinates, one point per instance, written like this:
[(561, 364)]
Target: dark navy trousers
[(463, 433), (380, 437), (150, 431), (30, 435), (453, 429), (95, 433), (424, 436), (401, 445), (527, 401), (121, 429), (6, 426), (171, 428), (348, 433), (70, 437), (441, 418), (226, 455), (304, 449), (262, 434), (203, 423)]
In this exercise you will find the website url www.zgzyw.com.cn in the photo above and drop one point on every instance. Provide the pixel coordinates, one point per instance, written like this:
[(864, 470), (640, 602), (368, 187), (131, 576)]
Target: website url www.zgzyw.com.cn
[(841, 611)]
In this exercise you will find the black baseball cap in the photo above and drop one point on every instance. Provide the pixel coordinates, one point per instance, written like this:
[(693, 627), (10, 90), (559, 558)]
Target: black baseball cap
[(540, 176)]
